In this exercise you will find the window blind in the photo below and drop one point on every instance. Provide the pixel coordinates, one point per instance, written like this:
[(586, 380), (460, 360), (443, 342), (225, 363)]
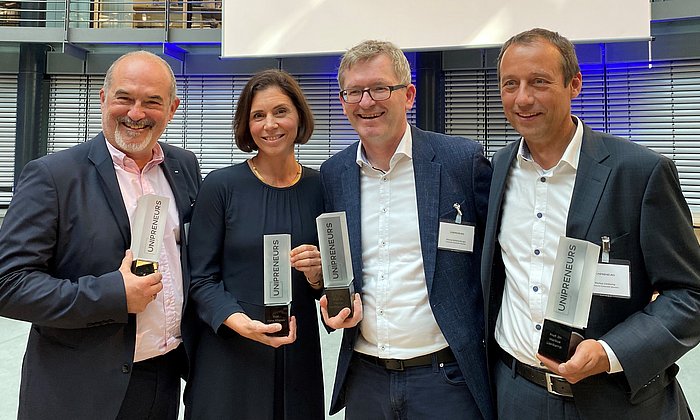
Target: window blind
[(657, 105), (203, 123), (8, 121)]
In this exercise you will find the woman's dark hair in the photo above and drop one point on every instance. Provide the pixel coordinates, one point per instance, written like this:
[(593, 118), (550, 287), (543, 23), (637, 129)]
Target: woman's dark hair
[(261, 81)]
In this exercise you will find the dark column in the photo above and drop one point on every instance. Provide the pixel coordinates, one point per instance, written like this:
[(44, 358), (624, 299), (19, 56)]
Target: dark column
[(32, 14), (32, 110), (429, 100)]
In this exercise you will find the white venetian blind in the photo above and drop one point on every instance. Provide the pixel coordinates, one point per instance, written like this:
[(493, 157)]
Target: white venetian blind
[(657, 105), (473, 109), (332, 131), (74, 111), (8, 120), (204, 121)]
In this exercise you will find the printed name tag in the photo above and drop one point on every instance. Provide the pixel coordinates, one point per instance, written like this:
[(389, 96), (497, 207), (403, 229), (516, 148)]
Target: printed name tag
[(613, 279), (454, 237)]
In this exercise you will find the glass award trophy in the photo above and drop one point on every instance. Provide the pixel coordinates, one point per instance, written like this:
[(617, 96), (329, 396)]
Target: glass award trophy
[(336, 261), (570, 295), (277, 275), (147, 231)]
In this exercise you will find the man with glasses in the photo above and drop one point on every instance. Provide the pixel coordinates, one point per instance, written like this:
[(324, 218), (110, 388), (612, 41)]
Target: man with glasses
[(416, 205)]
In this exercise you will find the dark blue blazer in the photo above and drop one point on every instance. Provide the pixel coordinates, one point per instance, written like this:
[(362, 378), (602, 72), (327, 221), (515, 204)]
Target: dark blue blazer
[(631, 194), (61, 244), (448, 170)]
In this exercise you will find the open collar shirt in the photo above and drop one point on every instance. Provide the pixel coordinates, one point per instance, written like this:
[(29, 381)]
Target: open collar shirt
[(158, 327), (534, 215), (398, 322)]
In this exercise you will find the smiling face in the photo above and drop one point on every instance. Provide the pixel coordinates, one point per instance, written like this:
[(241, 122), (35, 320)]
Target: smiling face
[(535, 98), (273, 122), (379, 123), (136, 107)]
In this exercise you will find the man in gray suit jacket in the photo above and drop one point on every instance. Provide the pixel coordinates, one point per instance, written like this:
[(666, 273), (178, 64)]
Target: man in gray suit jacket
[(418, 352), (104, 343), (563, 179)]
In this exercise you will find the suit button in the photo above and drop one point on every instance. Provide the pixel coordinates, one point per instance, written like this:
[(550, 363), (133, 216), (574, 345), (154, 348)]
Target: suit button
[(126, 368)]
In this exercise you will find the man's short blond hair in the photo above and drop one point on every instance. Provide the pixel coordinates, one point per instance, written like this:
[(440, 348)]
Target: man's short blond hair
[(367, 50)]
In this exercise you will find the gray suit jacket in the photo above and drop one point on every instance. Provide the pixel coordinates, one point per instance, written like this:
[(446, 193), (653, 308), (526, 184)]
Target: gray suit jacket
[(447, 170), (61, 243), (631, 194)]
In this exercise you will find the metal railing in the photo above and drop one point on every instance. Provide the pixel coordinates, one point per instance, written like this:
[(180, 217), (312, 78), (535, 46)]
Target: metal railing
[(191, 14)]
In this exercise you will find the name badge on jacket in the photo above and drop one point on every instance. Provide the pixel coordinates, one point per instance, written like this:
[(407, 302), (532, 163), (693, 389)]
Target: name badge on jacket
[(456, 236), (613, 279)]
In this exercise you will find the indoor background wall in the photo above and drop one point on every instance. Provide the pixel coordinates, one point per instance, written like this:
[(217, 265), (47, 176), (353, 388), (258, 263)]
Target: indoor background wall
[(646, 91)]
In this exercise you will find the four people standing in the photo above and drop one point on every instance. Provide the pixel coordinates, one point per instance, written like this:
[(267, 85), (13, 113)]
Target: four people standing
[(414, 345)]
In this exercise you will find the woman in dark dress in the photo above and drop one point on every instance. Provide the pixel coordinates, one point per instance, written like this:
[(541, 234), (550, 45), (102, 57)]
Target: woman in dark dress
[(238, 370)]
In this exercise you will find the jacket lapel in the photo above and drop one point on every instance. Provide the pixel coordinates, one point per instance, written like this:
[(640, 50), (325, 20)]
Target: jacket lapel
[(99, 156), (591, 177), (427, 179), (351, 194), (501, 169), (173, 173)]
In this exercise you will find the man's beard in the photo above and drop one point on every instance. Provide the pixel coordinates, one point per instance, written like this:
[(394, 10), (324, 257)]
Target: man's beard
[(130, 147)]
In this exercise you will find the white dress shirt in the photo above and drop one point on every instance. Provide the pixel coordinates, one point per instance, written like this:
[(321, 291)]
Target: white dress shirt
[(157, 327), (534, 215), (398, 322)]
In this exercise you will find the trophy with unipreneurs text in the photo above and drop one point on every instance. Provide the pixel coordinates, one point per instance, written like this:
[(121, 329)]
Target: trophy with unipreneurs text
[(277, 275), (334, 244), (570, 295), (147, 231)]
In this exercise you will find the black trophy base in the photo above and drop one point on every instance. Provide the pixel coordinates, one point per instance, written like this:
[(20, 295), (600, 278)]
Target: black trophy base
[(339, 298), (559, 341), (278, 314), (143, 268)]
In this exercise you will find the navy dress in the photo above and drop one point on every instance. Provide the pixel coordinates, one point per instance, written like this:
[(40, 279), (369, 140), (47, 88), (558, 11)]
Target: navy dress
[(232, 377)]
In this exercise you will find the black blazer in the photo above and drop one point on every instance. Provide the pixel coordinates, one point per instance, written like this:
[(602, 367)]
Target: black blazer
[(61, 244), (631, 194)]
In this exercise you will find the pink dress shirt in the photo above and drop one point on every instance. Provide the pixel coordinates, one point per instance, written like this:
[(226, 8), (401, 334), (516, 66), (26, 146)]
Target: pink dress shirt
[(158, 327)]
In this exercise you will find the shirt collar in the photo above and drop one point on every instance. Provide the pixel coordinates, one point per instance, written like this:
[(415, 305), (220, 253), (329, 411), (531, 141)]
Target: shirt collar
[(128, 164), (405, 148), (571, 154)]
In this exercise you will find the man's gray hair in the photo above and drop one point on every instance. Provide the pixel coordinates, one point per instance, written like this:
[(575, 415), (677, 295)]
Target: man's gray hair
[(367, 50)]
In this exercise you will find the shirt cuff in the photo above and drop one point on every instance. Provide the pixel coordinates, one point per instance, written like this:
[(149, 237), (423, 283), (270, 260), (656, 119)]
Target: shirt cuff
[(615, 365)]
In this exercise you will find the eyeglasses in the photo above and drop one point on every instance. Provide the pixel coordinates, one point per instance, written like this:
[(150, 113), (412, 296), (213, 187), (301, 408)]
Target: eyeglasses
[(377, 93)]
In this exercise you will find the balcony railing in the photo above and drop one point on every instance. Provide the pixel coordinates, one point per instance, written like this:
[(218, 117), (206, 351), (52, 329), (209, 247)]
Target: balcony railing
[(80, 14)]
